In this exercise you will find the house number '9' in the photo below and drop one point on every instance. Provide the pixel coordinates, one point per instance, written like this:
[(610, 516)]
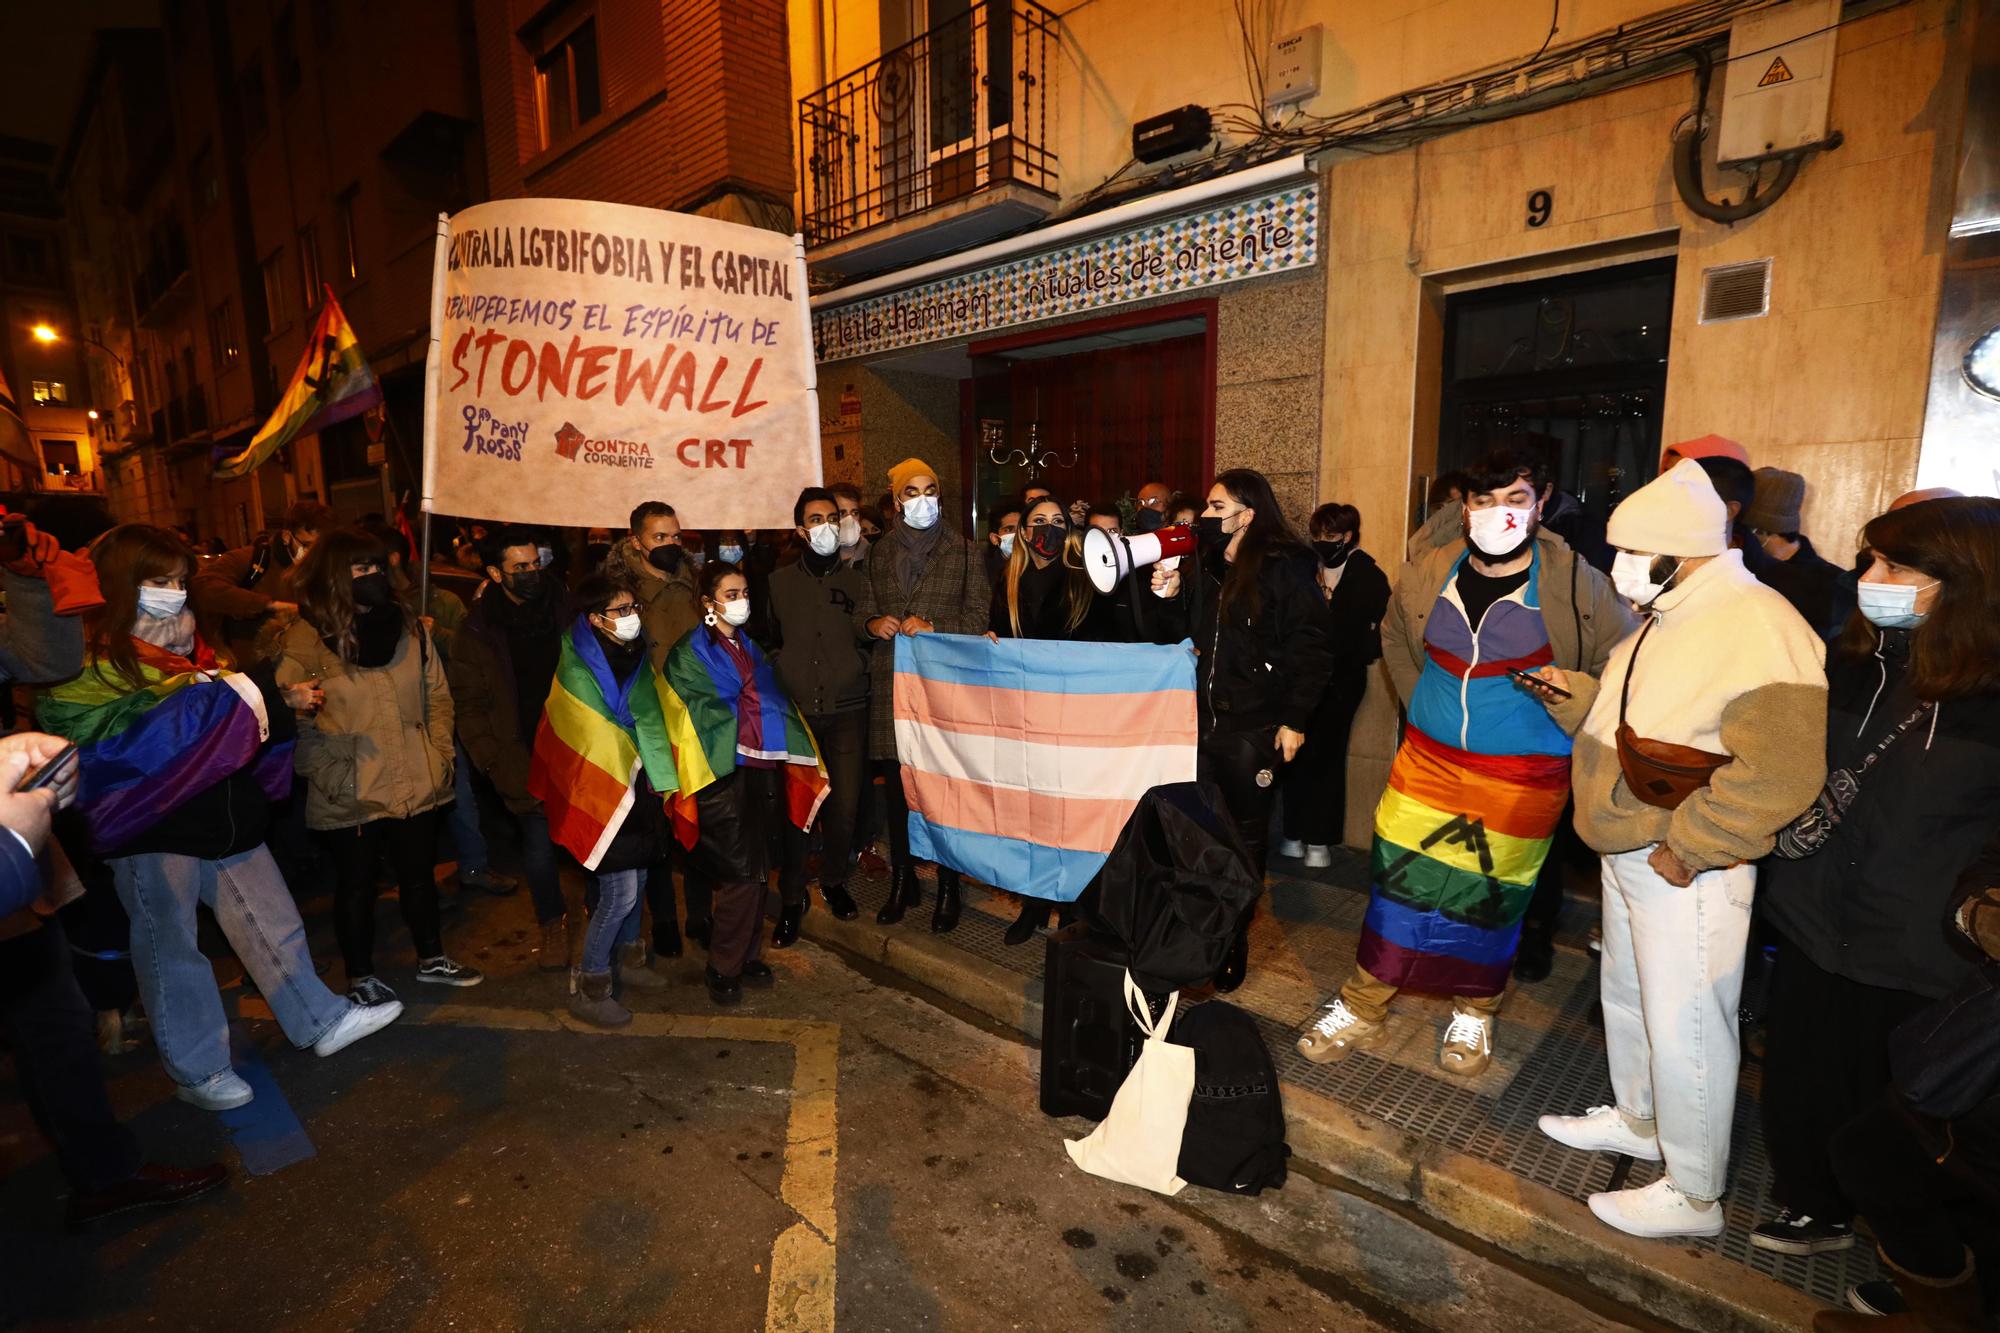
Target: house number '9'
[(1541, 203)]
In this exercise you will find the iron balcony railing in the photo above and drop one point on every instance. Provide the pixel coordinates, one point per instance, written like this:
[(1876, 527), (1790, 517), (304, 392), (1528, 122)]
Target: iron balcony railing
[(961, 108)]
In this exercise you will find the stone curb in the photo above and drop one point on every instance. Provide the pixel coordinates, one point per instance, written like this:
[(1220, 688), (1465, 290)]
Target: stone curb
[(1691, 1288)]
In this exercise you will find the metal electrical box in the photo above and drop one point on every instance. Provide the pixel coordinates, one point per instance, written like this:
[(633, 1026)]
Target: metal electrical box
[(1780, 80), (1295, 67)]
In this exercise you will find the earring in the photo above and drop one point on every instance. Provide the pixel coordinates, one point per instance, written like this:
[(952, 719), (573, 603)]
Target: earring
[(708, 618)]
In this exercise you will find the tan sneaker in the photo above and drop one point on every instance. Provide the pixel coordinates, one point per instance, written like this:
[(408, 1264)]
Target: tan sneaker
[(1468, 1045), (1337, 1032)]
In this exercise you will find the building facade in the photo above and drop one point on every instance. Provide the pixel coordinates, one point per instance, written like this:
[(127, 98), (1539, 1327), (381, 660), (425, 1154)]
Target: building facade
[(49, 420), (1454, 225)]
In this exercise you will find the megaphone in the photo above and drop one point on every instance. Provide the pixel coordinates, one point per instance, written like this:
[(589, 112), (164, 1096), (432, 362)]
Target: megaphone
[(1109, 556)]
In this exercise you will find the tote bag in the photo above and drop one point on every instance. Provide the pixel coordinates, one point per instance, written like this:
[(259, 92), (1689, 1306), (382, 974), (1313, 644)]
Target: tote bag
[(1139, 1142)]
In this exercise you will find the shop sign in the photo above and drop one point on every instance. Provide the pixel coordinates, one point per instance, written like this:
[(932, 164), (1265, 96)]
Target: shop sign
[(1249, 238)]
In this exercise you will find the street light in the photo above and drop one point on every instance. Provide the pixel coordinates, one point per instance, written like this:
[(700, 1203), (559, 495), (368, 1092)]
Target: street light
[(44, 334)]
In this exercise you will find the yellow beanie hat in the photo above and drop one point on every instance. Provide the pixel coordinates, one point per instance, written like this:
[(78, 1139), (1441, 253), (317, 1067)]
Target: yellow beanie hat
[(903, 471)]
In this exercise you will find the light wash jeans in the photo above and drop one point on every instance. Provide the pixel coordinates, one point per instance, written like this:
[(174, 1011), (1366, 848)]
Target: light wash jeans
[(616, 920), (250, 902), (466, 835), (1671, 975)]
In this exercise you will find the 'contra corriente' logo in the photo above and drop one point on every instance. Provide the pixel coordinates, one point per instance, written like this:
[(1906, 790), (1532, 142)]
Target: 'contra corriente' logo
[(574, 445)]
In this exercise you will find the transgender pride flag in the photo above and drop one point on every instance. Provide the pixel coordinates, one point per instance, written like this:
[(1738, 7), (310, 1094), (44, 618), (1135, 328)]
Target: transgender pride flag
[(1022, 759)]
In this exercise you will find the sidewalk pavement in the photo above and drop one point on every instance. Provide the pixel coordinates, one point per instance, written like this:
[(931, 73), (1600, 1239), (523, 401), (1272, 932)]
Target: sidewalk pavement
[(1465, 1151)]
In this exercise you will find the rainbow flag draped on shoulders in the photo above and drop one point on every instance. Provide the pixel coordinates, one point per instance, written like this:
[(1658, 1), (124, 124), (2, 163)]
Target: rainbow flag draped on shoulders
[(702, 691), (146, 751), (680, 727)]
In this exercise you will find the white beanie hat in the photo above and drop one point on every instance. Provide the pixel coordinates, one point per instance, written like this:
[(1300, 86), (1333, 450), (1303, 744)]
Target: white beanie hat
[(1676, 513)]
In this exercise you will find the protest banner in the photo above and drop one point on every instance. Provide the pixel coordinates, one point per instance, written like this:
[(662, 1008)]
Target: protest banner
[(586, 356)]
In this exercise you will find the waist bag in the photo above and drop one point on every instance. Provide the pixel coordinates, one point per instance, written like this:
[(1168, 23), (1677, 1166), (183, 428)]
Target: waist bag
[(1659, 773)]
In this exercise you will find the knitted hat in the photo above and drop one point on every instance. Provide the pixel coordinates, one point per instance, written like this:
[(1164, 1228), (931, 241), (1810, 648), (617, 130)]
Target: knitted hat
[(903, 471), (1779, 495), (1708, 446), (1676, 513)]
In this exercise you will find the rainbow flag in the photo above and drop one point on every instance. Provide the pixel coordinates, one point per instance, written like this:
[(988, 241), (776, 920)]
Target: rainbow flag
[(332, 382), (680, 727), (1023, 759), (148, 750), (1459, 840)]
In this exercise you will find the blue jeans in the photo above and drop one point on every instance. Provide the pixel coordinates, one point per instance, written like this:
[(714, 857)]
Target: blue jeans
[(255, 910), (538, 867), (617, 918), (465, 833)]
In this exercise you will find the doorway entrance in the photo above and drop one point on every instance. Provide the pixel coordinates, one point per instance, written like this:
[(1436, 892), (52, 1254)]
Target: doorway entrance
[(1574, 367)]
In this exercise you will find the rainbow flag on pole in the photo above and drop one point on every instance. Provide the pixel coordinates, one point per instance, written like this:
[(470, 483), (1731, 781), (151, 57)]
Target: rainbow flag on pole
[(148, 750), (332, 382), (1023, 759)]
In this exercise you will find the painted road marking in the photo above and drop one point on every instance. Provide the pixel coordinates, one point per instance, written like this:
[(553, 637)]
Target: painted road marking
[(802, 1259)]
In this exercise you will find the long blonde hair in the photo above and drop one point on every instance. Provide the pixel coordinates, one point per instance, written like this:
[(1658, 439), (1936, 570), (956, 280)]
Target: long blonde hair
[(1078, 583)]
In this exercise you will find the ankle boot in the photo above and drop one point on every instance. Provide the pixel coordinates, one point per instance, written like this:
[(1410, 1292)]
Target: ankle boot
[(666, 938), (721, 989), (633, 974), (903, 892), (593, 1004), (1937, 1305), (786, 933), (1034, 915), (839, 902), (944, 917)]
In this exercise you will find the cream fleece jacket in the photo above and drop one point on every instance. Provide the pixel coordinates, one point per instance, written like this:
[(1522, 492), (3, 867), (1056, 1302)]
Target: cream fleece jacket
[(1730, 668)]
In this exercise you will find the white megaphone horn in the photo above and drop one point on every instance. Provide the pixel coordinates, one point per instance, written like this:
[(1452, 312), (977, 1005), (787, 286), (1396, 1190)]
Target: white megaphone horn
[(1109, 556)]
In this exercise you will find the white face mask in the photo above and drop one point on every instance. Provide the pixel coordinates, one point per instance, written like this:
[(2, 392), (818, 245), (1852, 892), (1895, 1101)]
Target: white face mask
[(824, 539), (625, 628), (159, 603), (1891, 605), (545, 556), (736, 612), (850, 530), (1632, 576), (1006, 543), (921, 512), (1499, 530)]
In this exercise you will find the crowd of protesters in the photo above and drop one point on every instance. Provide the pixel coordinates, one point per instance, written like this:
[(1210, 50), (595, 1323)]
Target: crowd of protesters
[(1644, 686)]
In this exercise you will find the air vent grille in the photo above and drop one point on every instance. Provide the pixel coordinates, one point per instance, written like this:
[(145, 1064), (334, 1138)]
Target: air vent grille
[(1735, 291)]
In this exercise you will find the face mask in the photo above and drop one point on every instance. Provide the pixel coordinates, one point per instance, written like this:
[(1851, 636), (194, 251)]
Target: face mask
[(666, 559), (371, 591), (1151, 520), (1046, 540), (1006, 544), (824, 539), (159, 603), (545, 555), (921, 513), (736, 612), (1208, 532), (1891, 605), (1632, 576), (730, 555), (625, 628), (1332, 554), (527, 585), (1499, 530), (850, 530)]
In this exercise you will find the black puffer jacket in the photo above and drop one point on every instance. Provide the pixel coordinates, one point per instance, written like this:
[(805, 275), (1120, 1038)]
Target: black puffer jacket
[(1268, 667), (1871, 905)]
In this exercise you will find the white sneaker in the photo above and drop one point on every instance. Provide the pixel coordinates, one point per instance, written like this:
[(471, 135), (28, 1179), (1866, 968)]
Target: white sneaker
[(1600, 1129), (359, 1021), (1318, 856), (220, 1092), (1291, 847), (1655, 1211), (1468, 1045)]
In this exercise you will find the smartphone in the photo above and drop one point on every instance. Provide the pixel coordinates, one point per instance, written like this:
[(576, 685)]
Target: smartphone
[(1530, 678), (52, 772)]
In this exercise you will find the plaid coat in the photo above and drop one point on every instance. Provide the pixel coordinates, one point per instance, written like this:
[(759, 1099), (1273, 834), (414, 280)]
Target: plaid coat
[(952, 594)]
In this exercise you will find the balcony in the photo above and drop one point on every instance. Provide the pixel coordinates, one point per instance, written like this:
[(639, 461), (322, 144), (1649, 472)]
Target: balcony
[(160, 277), (943, 142)]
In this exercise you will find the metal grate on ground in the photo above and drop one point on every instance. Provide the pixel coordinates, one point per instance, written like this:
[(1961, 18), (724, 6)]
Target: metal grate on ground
[(1320, 913)]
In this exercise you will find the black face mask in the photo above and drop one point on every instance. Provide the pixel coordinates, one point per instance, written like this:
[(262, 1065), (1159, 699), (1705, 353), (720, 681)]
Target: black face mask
[(371, 591), (1046, 540), (1151, 520), (529, 585), (666, 559), (1208, 532), (1333, 554)]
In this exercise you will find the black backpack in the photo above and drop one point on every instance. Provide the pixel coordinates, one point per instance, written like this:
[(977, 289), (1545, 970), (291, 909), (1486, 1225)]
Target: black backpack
[(1235, 1135)]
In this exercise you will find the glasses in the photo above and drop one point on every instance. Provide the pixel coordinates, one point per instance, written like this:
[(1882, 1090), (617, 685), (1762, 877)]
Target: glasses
[(613, 612)]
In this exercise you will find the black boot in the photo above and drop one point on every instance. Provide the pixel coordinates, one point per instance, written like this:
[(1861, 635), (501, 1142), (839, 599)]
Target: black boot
[(903, 892), (786, 933), (666, 938), (697, 929), (944, 917), (757, 972), (721, 989), (1230, 975), (1535, 958), (1034, 915), (838, 902)]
